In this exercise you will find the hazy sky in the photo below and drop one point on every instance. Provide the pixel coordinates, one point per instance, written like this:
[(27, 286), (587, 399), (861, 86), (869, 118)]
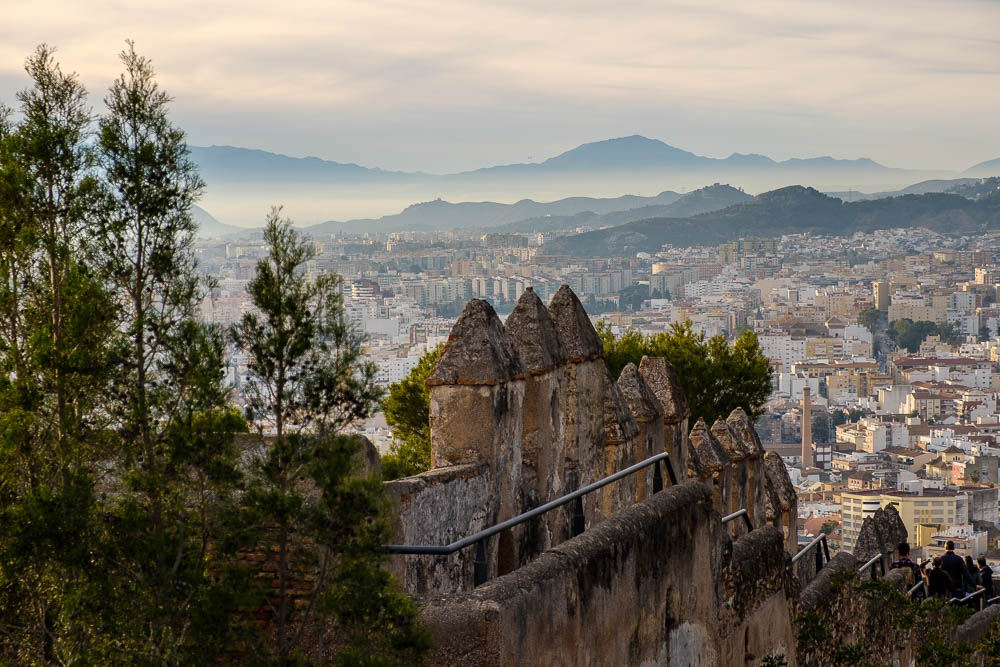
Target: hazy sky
[(438, 85)]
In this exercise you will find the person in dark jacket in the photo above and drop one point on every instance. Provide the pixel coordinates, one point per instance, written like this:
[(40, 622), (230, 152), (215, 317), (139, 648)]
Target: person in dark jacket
[(939, 584), (986, 573), (973, 572), (904, 561), (953, 564)]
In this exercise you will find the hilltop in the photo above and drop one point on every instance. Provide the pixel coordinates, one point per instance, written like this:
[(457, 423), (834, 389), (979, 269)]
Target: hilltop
[(243, 183), (793, 209), (702, 200)]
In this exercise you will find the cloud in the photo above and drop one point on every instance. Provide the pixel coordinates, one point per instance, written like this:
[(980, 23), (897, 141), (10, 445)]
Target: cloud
[(446, 84)]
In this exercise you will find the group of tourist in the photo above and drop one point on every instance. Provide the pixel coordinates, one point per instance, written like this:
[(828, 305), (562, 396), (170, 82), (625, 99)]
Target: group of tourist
[(949, 575)]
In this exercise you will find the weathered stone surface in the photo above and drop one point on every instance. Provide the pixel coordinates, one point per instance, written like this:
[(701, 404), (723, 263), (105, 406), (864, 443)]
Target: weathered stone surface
[(756, 495), (478, 351), (543, 449), (534, 334), (759, 588), (648, 414), (714, 459), (578, 336), (663, 380), (619, 424), (438, 507), (880, 533), (786, 497), (976, 627), (641, 589), (642, 401), (584, 430), (739, 476), (835, 613), (620, 432)]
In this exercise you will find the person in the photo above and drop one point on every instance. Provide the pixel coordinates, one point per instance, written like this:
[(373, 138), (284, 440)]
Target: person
[(986, 574), (973, 572), (939, 584), (904, 561), (953, 564)]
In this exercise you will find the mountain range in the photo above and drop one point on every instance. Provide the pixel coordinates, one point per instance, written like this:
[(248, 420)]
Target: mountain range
[(244, 183), (788, 210)]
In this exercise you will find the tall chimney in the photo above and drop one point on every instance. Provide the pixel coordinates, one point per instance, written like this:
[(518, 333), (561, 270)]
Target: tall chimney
[(807, 439)]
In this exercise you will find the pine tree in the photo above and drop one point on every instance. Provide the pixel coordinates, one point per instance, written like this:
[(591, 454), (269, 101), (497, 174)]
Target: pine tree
[(175, 511), (55, 358), (308, 383)]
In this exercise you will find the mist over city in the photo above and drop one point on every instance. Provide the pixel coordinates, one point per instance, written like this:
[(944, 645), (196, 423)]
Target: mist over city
[(474, 333)]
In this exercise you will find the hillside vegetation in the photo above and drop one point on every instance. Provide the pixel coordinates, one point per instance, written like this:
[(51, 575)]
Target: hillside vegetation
[(790, 210)]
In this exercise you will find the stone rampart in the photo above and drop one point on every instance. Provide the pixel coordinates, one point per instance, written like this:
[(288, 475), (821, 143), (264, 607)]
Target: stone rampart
[(642, 589), (526, 411)]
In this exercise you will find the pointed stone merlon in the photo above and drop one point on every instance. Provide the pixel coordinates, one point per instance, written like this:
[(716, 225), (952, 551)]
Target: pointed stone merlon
[(648, 414), (756, 494), (476, 398), (880, 533), (785, 512), (620, 433), (715, 463), (666, 386), (543, 448), (584, 396), (739, 473)]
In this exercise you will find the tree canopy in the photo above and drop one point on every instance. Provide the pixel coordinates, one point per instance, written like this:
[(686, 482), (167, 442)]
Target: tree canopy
[(909, 334), (407, 411), (717, 377), (125, 505)]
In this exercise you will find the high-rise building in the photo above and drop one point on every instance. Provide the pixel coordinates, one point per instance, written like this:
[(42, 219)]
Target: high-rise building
[(880, 291)]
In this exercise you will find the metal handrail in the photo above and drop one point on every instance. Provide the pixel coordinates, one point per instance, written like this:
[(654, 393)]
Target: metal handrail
[(802, 552), (819, 539), (457, 545), (915, 588), (969, 597), (737, 514), (877, 558)]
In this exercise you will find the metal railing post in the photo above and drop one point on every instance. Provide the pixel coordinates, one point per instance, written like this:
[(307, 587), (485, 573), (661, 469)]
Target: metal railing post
[(826, 549), (579, 519), (819, 560), (670, 471), (480, 573), (657, 478)]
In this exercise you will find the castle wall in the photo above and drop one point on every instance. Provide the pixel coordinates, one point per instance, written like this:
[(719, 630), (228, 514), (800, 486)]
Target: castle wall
[(585, 388), (438, 507), (543, 455), (637, 590), (661, 584)]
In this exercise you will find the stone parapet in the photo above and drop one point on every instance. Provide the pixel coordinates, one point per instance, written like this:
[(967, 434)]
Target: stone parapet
[(666, 386), (648, 414), (543, 447), (715, 465), (783, 502)]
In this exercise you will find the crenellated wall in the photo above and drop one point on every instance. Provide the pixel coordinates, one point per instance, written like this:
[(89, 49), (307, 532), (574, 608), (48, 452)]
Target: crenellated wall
[(526, 411)]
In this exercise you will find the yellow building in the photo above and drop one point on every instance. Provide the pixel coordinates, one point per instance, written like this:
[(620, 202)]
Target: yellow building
[(932, 507)]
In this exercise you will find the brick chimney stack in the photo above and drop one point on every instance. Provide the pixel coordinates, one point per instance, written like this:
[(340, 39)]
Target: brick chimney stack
[(807, 441)]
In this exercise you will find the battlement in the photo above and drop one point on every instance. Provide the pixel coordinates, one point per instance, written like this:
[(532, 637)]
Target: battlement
[(524, 412)]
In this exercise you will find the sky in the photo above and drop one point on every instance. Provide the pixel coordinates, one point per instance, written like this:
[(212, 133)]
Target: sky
[(442, 86)]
